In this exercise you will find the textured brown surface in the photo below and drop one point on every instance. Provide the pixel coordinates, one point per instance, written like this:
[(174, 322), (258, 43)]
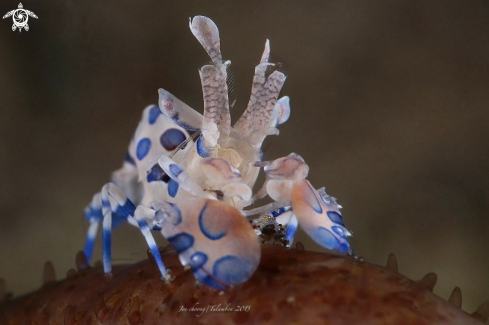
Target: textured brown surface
[(290, 287)]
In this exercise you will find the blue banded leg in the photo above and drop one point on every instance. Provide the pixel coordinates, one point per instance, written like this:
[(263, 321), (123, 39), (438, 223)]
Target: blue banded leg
[(286, 217), (93, 214), (107, 238), (113, 201), (291, 228), (141, 214), (282, 215), (91, 235)]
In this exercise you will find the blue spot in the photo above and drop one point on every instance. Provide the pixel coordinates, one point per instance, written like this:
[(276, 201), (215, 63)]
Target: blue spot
[(172, 188), (129, 159), (171, 138), (156, 173), (338, 230), (154, 112), (143, 148), (178, 214), (335, 217), (197, 260), (206, 227), (181, 242), (201, 150), (232, 270), (344, 248), (175, 170), (325, 238)]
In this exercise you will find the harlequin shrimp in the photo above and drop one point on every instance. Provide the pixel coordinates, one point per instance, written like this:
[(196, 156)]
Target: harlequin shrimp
[(190, 176)]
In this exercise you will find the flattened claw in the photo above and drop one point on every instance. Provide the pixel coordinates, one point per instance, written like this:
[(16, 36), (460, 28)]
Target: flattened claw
[(320, 218), (214, 239)]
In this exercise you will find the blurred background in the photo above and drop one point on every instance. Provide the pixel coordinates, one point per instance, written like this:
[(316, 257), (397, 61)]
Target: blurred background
[(389, 109)]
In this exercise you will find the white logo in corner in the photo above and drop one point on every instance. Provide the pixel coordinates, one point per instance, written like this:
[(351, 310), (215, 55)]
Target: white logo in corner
[(20, 17)]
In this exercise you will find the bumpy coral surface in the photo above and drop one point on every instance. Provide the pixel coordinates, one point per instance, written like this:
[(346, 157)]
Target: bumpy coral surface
[(289, 287)]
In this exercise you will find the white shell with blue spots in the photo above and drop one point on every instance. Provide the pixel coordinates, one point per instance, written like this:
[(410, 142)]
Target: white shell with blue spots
[(155, 136), (194, 190)]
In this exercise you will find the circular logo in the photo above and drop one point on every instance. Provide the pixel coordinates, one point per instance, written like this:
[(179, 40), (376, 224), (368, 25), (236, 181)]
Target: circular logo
[(20, 17)]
